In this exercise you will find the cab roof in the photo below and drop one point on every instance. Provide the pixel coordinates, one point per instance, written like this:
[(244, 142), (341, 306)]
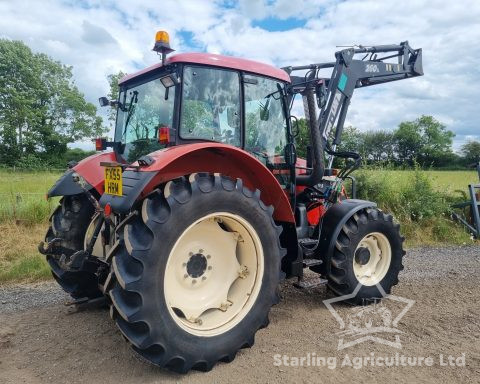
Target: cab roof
[(217, 61)]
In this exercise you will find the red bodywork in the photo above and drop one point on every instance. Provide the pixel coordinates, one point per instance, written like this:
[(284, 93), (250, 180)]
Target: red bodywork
[(91, 170), (217, 61), (182, 160), (224, 159)]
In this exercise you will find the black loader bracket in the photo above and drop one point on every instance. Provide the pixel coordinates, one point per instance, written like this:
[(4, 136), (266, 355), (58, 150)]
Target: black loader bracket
[(333, 94)]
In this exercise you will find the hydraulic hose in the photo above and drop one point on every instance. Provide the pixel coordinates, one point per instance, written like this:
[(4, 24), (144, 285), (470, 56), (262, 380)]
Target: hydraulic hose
[(317, 142)]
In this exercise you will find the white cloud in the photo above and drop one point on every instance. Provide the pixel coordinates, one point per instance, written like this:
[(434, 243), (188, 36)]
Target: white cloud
[(101, 37)]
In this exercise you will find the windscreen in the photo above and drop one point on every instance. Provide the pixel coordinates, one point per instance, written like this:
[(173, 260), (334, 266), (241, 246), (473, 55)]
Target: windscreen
[(143, 110)]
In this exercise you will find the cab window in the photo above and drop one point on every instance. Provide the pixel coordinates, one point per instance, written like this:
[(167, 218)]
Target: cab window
[(144, 110), (265, 126), (210, 105)]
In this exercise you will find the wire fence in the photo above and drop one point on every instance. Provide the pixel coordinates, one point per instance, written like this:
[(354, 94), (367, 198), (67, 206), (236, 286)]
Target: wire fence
[(14, 169), (23, 194)]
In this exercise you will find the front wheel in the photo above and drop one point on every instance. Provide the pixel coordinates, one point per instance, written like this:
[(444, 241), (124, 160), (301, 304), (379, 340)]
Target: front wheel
[(367, 255), (196, 272)]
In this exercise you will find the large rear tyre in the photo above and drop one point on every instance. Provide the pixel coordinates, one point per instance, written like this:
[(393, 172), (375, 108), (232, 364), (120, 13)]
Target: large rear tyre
[(368, 252), (69, 223), (196, 272)]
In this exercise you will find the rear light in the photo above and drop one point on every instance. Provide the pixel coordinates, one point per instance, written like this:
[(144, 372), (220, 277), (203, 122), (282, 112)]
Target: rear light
[(163, 134), (107, 211), (100, 144)]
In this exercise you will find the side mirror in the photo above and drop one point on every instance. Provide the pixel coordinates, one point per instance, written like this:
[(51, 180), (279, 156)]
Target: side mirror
[(294, 125), (103, 101)]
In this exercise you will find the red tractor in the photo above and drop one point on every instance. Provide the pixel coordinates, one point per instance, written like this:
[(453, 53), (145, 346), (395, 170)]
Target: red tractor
[(202, 208)]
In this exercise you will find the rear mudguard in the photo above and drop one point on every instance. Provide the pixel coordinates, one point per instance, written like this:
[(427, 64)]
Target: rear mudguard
[(181, 160), (90, 169), (333, 221), (65, 186)]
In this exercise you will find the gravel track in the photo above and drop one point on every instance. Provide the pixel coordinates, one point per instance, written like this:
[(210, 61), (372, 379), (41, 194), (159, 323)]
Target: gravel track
[(42, 341)]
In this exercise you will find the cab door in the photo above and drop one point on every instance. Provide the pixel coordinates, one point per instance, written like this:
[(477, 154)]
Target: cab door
[(266, 125)]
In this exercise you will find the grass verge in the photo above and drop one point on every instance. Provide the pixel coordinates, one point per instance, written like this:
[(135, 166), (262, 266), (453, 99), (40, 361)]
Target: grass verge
[(19, 257)]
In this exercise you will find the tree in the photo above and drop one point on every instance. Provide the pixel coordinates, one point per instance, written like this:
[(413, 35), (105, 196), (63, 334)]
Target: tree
[(471, 152), (408, 142), (437, 140), (352, 140), (377, 146), (425, 140), (41, 109)]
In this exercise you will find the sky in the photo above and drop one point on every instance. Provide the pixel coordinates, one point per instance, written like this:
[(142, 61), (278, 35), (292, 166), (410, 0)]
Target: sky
[(99, 37)]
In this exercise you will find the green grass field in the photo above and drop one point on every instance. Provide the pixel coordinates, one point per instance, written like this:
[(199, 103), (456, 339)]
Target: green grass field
[(23, 196), (444, 181), (419, 200), (24, 213)]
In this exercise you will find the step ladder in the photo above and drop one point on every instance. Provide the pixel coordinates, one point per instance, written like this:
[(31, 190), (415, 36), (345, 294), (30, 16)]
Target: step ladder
[(312, 282)]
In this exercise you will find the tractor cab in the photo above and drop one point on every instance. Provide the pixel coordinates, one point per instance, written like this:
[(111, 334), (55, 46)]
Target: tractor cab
[(200, 97)]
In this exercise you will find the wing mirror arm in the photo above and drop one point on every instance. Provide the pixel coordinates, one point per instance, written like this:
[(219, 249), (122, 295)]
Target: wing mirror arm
[(104, 102)]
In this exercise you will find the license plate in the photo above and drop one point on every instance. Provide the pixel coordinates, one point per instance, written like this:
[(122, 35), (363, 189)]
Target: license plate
[(113, 181)]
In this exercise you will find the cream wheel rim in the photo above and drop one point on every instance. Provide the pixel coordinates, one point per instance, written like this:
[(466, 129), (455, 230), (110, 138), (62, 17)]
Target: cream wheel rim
[(372, 259), (213, 274), (97, 247)]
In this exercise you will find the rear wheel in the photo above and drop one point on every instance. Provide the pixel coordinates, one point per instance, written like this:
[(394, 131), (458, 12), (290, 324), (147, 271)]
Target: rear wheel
[(196, 272), (368, 252), (69, 224)]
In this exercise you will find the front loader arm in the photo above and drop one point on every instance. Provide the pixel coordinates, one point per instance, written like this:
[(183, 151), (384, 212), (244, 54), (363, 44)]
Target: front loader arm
[(375, 70), (334, 93)]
